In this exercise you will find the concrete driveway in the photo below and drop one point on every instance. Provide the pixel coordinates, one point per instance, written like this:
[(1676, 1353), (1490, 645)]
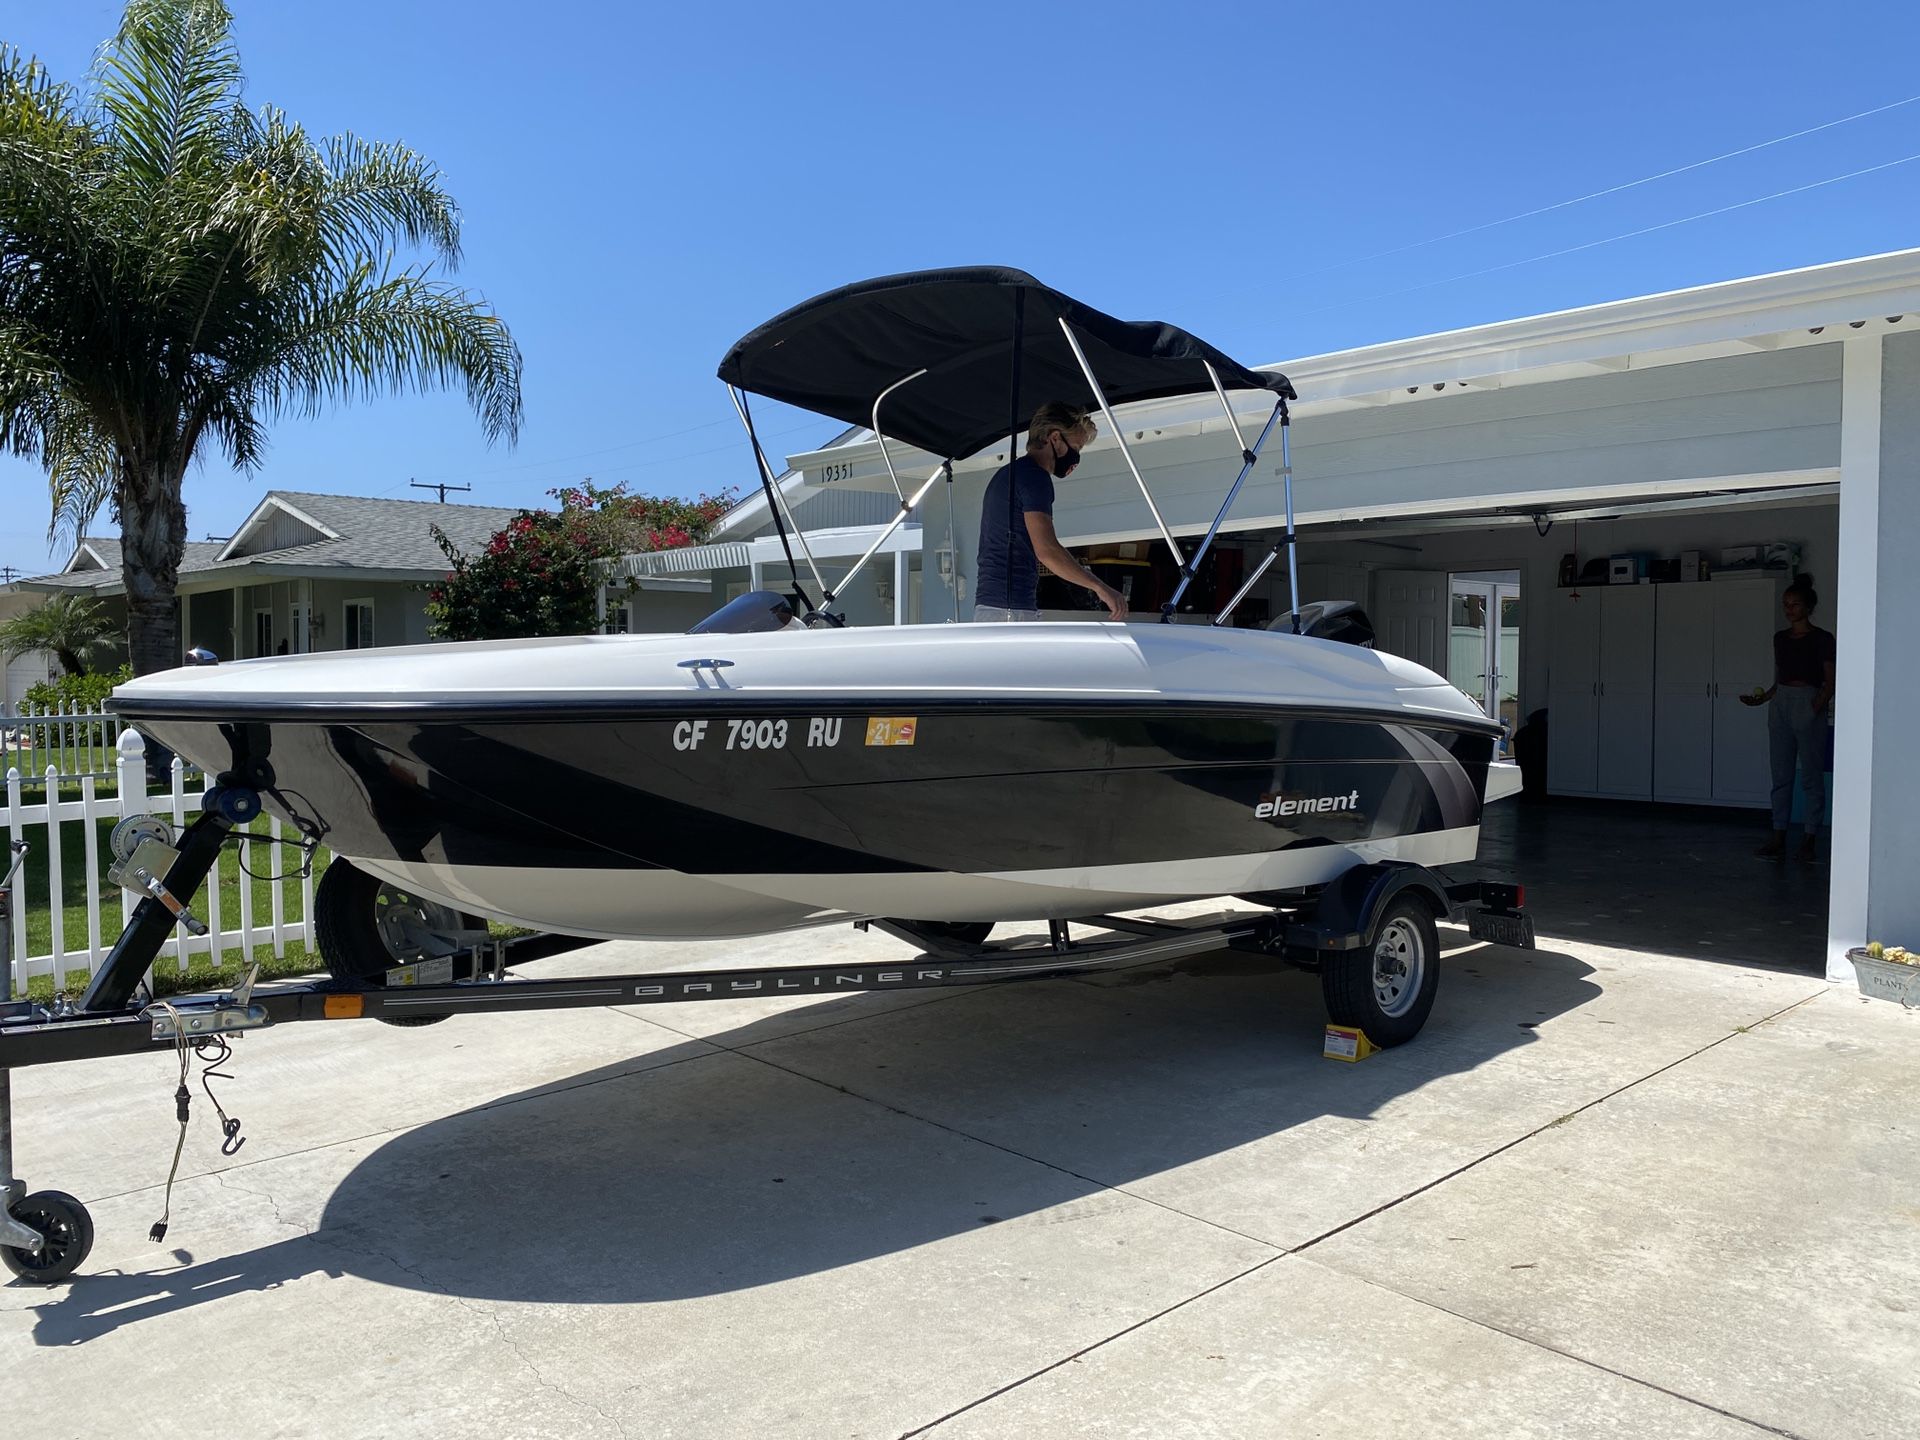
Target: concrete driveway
[(1605, 1193)]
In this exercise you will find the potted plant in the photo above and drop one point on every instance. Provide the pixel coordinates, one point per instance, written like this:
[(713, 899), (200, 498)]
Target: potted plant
[(1889, 972)]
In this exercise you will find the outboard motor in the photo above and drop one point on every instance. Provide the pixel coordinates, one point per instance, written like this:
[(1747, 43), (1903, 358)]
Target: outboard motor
[(1341, 620)]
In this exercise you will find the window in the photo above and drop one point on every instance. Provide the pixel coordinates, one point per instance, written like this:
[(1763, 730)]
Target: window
[(356, 629), (263, 632), (619, 619)]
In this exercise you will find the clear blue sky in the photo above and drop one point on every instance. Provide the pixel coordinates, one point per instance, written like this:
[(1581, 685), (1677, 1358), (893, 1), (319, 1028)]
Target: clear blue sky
[(644, 183)]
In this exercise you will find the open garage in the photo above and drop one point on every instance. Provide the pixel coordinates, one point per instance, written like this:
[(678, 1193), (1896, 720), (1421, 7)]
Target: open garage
[(1586, 520)]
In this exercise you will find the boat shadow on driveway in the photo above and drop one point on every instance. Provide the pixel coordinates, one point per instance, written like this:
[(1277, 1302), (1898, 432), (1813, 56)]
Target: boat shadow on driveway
[(1199, 1086)]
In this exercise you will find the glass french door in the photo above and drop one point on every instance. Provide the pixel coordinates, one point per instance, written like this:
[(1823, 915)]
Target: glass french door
[(1483, 645)]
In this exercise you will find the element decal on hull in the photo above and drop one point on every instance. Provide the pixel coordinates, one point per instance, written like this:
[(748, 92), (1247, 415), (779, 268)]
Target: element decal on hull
[(1277, 807)]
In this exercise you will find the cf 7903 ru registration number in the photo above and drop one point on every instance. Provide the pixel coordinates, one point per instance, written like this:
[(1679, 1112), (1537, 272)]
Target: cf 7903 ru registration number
[(1501, 929)]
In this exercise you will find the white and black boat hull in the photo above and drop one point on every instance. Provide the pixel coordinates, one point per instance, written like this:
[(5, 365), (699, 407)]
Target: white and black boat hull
[(713, 785), (648, 823)]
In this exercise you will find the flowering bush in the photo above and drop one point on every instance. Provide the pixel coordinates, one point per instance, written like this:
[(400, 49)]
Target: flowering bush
[(540, 574)]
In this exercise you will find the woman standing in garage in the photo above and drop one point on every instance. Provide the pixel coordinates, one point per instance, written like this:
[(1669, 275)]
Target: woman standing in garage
[(1797, 717)]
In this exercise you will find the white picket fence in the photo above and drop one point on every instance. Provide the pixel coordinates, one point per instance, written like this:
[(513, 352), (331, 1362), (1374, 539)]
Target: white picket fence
[(40, 825), (80, 741)]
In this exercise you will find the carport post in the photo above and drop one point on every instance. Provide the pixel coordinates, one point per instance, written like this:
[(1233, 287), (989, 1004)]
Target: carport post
[(1856, 641)]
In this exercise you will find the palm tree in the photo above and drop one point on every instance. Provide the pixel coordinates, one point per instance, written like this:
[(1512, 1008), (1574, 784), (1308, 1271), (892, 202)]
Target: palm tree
[(71, 626), (175, 268)]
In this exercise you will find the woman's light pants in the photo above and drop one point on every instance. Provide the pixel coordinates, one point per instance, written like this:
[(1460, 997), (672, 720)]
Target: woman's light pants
[(1796, 732)]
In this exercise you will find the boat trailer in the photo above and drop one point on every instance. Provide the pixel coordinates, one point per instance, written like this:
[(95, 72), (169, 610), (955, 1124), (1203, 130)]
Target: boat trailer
[(1363, 932)]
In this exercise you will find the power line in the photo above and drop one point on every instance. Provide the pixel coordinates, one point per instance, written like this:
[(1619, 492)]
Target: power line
[(660, 460), (1624, 235), (1609, 190)]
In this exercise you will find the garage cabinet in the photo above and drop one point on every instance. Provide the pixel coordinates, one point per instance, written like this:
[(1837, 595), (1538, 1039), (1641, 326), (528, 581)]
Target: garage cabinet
[(1644, 691), (1600, 693)]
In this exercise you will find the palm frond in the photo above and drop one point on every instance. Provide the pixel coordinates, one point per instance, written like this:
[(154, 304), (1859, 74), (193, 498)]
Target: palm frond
[(167, 83), (387, 334), (29, 393), (82, 466), (380, 192)]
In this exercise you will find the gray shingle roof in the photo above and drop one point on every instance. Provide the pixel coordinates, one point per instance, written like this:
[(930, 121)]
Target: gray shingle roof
[(374, 534), (200, 554), (381, 534)]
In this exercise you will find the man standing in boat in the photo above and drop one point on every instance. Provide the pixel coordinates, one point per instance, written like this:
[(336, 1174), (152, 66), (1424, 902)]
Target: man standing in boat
[(1016, 529)]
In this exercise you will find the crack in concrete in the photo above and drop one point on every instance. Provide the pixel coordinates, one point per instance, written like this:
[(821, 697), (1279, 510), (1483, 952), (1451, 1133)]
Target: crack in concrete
[(971, 1138), (1297, 1250), (1554, 1123), (1550, 1348), (220, 1178)]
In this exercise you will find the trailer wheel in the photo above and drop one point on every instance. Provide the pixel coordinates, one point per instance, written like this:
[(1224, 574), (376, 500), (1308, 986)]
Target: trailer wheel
[(1386, 988), (360, 923), (66, 1237)]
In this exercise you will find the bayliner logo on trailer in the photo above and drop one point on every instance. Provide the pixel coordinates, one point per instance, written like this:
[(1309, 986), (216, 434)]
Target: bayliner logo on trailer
[(1276, 807)]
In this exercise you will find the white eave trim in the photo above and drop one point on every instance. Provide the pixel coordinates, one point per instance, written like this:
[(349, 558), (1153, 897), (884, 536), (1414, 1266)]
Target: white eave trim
[(1757, 305), (1762, 312), (271, 502), (85, 547)]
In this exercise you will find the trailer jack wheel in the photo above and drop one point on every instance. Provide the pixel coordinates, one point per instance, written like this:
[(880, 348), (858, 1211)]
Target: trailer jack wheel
[(66, 1237), (362, 924)]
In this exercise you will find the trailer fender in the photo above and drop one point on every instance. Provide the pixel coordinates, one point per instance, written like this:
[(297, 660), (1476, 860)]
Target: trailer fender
[(1350, 907)]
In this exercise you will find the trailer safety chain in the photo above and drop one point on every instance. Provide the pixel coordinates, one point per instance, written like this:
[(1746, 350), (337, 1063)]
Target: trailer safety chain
[(215, 1050)]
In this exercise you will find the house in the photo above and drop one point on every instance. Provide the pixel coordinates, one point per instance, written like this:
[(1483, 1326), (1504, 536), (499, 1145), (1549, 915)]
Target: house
[(1478, 489), (303, 572), (338, 572), (835, 528)]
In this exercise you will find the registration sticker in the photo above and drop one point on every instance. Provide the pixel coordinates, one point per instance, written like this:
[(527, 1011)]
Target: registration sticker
[(892, 729)]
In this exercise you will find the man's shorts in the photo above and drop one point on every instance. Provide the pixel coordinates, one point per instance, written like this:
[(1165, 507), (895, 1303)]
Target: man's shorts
[(985, 614)]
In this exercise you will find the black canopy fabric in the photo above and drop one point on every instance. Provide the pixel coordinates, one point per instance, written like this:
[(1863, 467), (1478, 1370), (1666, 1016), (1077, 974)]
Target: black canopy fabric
[(836, 353)]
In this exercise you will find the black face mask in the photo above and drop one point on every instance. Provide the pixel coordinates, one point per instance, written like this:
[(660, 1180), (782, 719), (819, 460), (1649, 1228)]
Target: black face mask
[(1063, 465)]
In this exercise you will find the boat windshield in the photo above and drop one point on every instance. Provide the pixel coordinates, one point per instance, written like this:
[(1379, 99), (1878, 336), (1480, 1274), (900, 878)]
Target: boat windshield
[(749, 614)]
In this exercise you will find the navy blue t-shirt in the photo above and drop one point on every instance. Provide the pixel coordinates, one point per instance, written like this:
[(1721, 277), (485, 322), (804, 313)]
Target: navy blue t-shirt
[(1009, 575)]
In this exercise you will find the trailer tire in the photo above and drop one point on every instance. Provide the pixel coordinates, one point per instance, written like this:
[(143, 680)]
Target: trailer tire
[(347, 905), (66, 1231), (1386, 988)]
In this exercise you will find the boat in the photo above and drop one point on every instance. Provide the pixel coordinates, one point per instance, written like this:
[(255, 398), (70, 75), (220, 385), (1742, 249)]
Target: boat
[(773, 768)]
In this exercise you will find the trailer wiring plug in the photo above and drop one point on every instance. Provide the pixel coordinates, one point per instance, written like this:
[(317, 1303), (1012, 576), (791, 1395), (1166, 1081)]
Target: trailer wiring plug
[(214, 1050)]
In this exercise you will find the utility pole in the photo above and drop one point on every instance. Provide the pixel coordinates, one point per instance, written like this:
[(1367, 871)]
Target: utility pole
[(442, 488)]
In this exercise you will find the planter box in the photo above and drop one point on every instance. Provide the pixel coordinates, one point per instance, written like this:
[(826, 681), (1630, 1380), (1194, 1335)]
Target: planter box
[(1886, 979)]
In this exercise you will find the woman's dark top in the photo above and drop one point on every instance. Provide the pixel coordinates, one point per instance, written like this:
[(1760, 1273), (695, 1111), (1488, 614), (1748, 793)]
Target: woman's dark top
[(1798, 659)]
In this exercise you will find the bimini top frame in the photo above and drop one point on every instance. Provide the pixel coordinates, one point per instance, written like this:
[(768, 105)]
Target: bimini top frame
[(951, 361)]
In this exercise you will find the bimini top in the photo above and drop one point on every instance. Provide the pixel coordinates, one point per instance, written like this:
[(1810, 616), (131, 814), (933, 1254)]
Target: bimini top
[(837, 353)]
